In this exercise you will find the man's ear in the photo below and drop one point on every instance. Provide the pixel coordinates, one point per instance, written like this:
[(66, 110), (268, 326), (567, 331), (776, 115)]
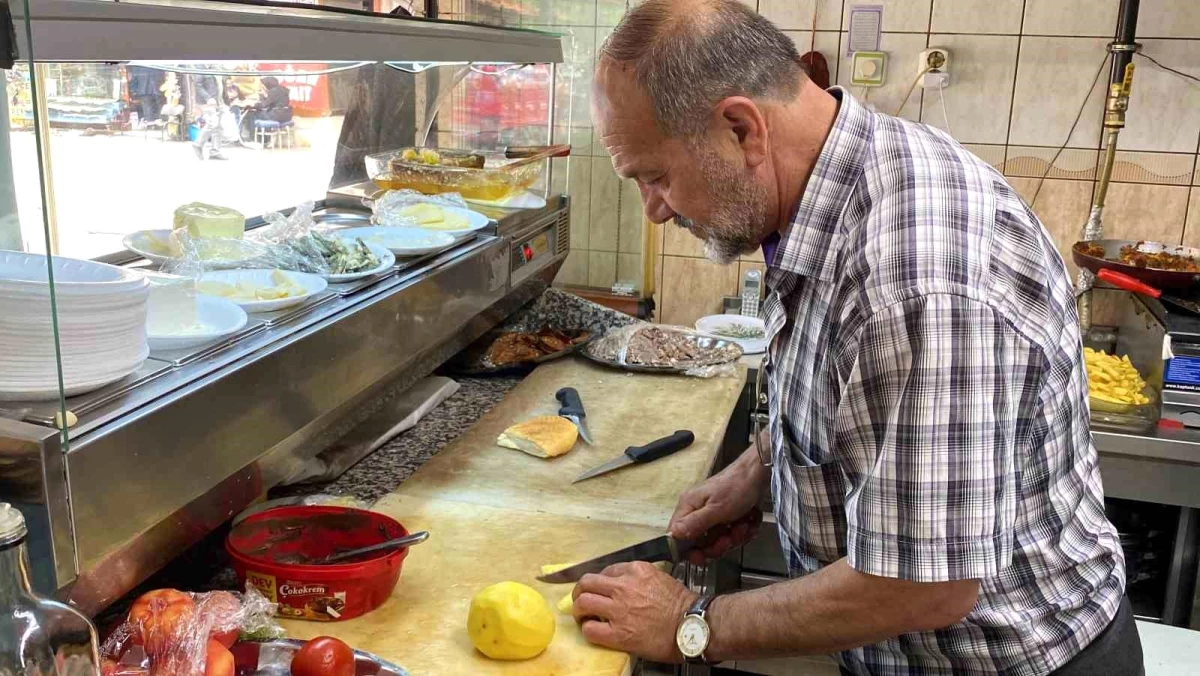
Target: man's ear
[(739, 121)]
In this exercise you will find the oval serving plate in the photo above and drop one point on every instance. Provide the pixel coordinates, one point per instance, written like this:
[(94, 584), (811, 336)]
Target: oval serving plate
[(274, 658), (708, 342)]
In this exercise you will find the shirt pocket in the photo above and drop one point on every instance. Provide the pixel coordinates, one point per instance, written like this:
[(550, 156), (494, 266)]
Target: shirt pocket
[(819, 511)]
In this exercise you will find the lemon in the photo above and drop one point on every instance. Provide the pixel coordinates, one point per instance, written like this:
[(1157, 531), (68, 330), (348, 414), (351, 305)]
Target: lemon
[(510, 621)]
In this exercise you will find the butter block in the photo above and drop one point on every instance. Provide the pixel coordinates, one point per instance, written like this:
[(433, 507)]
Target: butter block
[(208, 221)]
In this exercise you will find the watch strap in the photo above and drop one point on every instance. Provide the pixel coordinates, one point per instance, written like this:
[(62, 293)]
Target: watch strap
[(699, 609)]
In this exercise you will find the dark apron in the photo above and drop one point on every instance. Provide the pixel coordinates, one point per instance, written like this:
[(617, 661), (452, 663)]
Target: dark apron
[(1117, 651)]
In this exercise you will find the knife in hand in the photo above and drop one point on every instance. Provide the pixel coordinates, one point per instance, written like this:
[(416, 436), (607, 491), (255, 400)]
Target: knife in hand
[(659, 448), (572, 409), (661, 548)]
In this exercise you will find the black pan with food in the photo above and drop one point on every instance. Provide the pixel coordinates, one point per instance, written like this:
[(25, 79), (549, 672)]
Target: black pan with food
[(1165, 266), (501, 352)]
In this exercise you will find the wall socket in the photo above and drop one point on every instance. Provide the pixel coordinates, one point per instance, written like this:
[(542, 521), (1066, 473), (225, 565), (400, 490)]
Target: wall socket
[(933, 67)]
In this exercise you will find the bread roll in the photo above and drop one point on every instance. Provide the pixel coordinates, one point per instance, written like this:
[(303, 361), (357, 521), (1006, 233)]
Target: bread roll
[(544, 437)]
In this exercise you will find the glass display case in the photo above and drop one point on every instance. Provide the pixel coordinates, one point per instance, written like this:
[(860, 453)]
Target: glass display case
[(203, 279)]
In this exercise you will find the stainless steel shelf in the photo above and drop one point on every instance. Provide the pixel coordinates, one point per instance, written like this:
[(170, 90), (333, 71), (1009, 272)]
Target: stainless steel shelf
[(178, 30)]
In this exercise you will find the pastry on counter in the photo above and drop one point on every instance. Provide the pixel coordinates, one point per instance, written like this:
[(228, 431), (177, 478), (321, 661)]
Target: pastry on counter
[(546, 437)]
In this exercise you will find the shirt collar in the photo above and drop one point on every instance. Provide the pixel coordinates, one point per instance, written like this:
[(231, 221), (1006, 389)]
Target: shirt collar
[(812, 242)]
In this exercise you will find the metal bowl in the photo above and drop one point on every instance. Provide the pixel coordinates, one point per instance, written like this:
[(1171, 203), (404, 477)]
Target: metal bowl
[(274, 658)]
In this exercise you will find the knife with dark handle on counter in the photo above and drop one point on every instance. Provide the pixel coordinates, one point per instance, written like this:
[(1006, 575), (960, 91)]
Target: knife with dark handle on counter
[(659, 448), (572, 409)]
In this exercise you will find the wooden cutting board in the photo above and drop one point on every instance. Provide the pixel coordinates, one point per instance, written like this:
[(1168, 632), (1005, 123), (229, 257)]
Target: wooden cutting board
[(496, 514), (423, 626), (624, 409)]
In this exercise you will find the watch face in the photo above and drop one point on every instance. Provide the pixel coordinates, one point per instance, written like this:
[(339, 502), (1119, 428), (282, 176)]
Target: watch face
[(692, 636)]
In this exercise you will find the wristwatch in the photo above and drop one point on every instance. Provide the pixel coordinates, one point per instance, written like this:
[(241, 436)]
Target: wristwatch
[(693, 634)]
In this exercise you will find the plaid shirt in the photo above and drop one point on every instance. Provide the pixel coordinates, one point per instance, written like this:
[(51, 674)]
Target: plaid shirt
[(928, 401)]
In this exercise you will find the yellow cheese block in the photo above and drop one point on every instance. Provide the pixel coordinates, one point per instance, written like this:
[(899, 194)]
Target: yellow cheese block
[(208, 221), (566, 605)]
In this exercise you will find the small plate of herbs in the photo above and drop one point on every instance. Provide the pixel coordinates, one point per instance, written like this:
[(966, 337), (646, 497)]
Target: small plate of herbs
[(748, 332)]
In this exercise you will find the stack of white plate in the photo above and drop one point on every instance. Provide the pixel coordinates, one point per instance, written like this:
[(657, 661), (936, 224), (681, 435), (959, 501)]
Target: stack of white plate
[(101, 325)]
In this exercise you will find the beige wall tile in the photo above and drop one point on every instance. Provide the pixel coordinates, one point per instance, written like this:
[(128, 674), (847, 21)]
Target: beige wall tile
[(1162, 168), (693, 288), (798, 14), (658, 286), (756, 257), (826, 43), (977, 16), (1052, 79), (992, 154), (602, 269), (899, 16), (1150, 212), (629, 269), (1164, 110), (1168, 19), (680, 242), (603, 225), (978, 100), (576, 182), (1191, 231), (1031, 161), (629, 234), (1062, 206), (1085, 18), (574, 271), (902, 50)]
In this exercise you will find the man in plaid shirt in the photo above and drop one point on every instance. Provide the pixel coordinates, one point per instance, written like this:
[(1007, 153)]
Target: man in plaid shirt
[(936, 489)]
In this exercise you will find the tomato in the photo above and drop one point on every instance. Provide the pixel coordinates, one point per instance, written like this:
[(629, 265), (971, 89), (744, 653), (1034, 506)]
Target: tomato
[(161, 619), (323, 656), (218, 661), (220, 611)]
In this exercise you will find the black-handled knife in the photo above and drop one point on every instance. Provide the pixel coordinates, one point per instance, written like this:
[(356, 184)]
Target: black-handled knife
[(659, 448), (572, 409)]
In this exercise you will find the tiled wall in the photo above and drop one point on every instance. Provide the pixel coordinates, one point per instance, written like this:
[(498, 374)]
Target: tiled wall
[(1020, 71)]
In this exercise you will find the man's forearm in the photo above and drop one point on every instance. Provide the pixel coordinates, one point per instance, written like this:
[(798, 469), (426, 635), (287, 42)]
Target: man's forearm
[(751, 463), (836, 608)]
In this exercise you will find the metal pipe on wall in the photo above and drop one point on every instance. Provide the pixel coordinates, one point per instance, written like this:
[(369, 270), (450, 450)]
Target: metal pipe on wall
[(1116, 104)]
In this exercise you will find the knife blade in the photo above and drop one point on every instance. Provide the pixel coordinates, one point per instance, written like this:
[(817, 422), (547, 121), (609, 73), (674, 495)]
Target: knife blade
[(661, 548), (572, 409), (659, 448)]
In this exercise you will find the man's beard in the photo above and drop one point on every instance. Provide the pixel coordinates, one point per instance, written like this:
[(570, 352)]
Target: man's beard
[(739, 211)]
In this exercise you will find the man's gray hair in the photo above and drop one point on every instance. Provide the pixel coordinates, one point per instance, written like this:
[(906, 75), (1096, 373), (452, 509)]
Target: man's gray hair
[(689, 55)]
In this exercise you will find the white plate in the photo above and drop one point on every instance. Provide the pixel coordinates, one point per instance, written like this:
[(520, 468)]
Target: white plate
[(313, 284), (153, 246), (386, 260), (475, 222), (50, 392), (524, 200), (25, 273), (707, 325), (402, 241), (217, 318)]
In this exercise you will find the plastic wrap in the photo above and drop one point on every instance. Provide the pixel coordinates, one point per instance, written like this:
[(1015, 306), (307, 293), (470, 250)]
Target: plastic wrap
[(295, 242), (677, 349), (174, 633), (387, 209)]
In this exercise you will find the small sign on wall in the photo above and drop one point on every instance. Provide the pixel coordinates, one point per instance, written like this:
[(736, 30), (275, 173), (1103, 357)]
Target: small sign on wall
[(866, 24)]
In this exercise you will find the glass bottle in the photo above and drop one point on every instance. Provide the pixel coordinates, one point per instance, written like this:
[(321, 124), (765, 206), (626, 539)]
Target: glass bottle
[(38, 637)]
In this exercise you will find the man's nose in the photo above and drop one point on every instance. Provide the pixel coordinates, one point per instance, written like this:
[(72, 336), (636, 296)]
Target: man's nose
[(656, 208)]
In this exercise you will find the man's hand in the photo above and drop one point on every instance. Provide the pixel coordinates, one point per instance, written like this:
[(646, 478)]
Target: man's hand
[(729, 498), (634, 608)]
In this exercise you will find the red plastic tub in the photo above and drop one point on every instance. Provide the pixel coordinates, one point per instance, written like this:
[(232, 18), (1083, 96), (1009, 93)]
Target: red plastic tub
[(262, 545)]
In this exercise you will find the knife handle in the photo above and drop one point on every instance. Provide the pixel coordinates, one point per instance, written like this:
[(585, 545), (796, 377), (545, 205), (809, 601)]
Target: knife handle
[(571, 403), (661, 448)]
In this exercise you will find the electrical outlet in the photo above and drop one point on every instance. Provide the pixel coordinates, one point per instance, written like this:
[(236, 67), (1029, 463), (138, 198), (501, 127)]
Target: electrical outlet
[(869, 69), (934, 61)]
